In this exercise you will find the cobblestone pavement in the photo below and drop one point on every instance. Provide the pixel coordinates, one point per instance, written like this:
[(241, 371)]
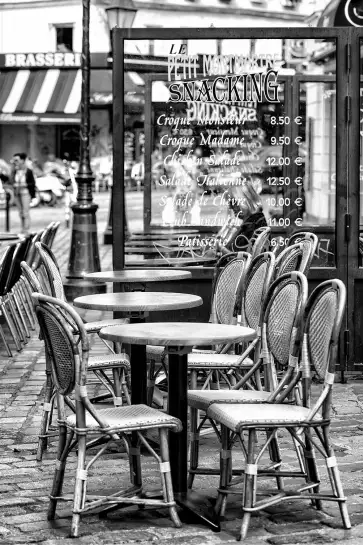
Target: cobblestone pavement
[(25, 484)]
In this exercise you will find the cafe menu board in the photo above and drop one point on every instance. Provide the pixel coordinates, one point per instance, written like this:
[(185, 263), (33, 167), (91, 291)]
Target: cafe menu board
[(221, 143)]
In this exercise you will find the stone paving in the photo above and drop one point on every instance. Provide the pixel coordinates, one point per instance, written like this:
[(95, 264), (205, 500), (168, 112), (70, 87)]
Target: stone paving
[(25, 483)]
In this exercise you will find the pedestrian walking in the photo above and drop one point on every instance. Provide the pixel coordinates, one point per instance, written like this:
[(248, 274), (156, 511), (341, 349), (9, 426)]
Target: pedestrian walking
[(23, 182)]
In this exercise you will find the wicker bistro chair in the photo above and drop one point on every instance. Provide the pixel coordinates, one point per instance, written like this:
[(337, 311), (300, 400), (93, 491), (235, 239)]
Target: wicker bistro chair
[(99, 365), (69, 362), (308, 425), (297, 257), (225, 290), (246, 304), (50, 265), (260, 242), (10, 305), (281, 319), (5, 264), (296, 237), (13, 289)]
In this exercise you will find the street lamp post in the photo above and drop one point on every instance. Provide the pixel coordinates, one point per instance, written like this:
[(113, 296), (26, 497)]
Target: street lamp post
[(120, 13), (84, 254)]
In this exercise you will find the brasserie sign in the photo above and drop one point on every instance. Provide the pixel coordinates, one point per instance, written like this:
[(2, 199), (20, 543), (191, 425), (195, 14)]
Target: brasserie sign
[(40, 60)]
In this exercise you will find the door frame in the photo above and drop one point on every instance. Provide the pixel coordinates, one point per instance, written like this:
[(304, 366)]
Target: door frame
[(347, 149)]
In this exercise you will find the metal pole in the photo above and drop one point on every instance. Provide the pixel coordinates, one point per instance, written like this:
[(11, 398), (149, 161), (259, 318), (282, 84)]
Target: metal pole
[(84, 255)]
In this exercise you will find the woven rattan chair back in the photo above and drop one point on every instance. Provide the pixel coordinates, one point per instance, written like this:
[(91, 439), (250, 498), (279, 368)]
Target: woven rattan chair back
[(62, 348), (323, 319), (304, 235), (53, 232), (19, 255), (260, 242), (47, 234), (282, 322), (227, 289), (218, 268), (32, 279), (254, 289), (32, 256), (51, 267), (297, 257)]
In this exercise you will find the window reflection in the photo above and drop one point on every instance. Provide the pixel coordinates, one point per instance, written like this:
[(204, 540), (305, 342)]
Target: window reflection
[(261, 113)]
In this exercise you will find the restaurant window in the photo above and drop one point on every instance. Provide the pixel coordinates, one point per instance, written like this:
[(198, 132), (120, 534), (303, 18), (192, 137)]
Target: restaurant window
[(64, 38)]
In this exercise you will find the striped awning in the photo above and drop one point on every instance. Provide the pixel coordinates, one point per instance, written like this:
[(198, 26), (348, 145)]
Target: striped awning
[(47, 95), (54, 96)]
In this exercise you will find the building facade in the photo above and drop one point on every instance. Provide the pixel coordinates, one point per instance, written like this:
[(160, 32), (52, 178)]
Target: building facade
[(40, 79)]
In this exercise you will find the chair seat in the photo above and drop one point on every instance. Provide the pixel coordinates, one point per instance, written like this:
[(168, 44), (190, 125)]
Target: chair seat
[(218, 360), (95, 327), (129, 418), (202, 399), (155, 353), (236, 417), (108, 360)]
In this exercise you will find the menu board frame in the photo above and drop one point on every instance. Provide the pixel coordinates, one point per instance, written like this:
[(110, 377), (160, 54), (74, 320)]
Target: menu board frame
[(347, 80)]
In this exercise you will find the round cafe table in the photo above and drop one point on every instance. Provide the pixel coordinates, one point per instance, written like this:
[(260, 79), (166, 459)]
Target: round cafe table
[(9, 237), (137, 304), (170, 262), (128, 276), (179, 339)]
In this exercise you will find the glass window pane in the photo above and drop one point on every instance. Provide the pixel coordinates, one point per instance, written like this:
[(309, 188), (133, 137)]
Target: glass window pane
[(214, 139)]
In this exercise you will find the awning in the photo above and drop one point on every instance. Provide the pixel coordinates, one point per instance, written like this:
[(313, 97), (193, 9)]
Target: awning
[(54, 96), (40, 96), (342, 13)]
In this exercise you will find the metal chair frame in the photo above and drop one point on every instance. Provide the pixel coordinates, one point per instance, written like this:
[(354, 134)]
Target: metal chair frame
[(5, 264), (90, 427), (297, 257), (261, 242), (53, 276), (280, 336), (97, 365), (308, 425)]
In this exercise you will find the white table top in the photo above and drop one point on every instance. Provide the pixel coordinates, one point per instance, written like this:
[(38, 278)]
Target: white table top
[(177, 333), (139, 275), (138, 301)]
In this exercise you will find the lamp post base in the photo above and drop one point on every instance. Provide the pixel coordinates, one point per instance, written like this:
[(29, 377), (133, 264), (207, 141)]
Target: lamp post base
[(84, 256)]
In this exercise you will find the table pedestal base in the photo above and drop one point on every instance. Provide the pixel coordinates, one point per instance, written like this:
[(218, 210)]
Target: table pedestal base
[(200, 507), (190, 500)]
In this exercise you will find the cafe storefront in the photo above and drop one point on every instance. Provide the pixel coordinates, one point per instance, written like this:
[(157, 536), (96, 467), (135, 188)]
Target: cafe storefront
[(276, 108)]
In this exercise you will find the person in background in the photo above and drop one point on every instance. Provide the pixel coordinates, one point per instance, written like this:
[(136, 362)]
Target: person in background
[(23, 182), (248, 215), (138, 172)]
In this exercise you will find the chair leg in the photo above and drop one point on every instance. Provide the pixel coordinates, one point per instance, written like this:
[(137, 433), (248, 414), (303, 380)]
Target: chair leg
[(117, 400), (3, 338), (63, 447), (44, 425), (11, 326), (80, 486), (225, 472), (334, 475), (135, 462), (25, 330), (249, 483), (166, 476), (15, 319), (276, 458), (150, 382), (194, 444), (25, 302), (311, 469)]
